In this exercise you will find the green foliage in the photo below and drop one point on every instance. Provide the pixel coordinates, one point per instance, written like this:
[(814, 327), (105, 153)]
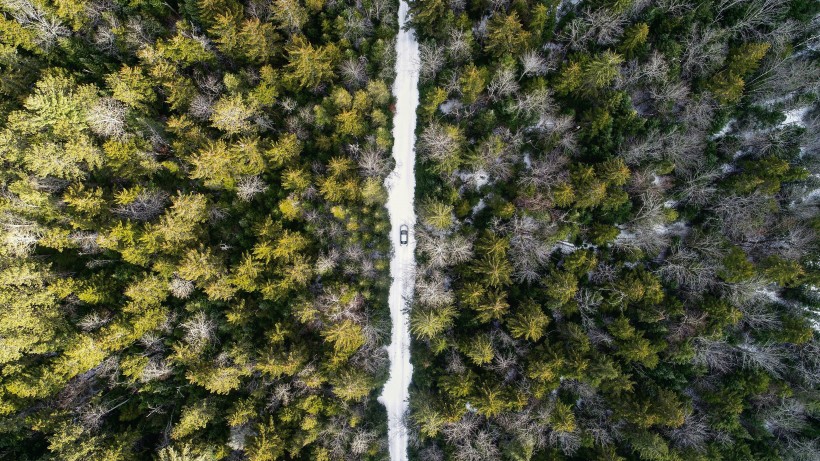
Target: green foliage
[(163, 229)]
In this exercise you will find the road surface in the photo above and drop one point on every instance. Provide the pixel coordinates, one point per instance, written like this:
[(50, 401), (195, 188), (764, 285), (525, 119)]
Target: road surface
[(401, 184)]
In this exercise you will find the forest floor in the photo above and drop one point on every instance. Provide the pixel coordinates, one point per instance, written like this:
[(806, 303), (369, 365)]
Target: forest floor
[(401, 184)]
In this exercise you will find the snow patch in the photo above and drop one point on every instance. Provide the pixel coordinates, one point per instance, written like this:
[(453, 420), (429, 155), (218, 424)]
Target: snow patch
[(449, 106), (726, 128), (479, 206), (795, 116), (478, 179)]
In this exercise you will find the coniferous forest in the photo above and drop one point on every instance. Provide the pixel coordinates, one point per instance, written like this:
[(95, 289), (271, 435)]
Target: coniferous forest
[(617, 237), (617, 234), (194, 245)]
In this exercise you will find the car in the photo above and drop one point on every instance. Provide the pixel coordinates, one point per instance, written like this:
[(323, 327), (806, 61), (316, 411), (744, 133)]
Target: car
[(404, 234)]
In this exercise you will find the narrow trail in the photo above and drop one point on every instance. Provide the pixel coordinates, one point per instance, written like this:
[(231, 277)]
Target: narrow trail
[(401, 185)]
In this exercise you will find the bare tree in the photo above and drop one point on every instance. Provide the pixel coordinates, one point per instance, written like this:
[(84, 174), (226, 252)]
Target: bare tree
[(249, 187), (688, 269), (755, 15), (432, 290), (354, 72), (48, 28), (181, 288), (107, 118), (767, 357), (19, 236), (199, 329), (744, 218), (443, 250), (704, 51), (534, 104), (503, 84), (692, 435), (602, 26), (431, 59), (533, 64), (458, 45), (201, 107), (437, 143), (156, 369), (145, 207), (529, 247), (372, 161), (717, 355)]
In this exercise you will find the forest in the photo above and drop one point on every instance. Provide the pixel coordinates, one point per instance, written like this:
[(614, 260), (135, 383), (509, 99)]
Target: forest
[(193, 254), (617, 251), (617, 243)]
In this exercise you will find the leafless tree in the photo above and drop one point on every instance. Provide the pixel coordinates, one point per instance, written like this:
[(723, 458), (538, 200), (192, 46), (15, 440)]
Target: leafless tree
[(692, 435), (145, 207), (436, 143), (744, 218), (654, 70), (431, 453), (698, 187), (432, 290), (19, 236), (361, 441), (199, 329), (689, 270), (704, 51), (354, 72), (717, 355), (547, 172), (534, 104), (795, 75), (201, 107), (379, 10), (86, 241), (767, 357), (156, 369), (107, 118), (249, 187), (503, 84), (181, 288), (755, 15), (105, 39), (533, 64), (646, 230), (48, 28), (458, 45), (529, 247), (602, 26), (431, 59), (605, 25), (649, 148), (567, 442), (496, 154), (94, 320), (372, 161), (442, 250)]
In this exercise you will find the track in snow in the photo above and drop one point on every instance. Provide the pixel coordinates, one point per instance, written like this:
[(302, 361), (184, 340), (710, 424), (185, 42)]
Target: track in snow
[(401, 185)]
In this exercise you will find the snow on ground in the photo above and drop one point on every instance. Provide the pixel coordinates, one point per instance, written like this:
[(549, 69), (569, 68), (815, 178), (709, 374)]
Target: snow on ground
[(449, 106), (479, 178), (795, 116), (401, 185), (726, 128), (479, 206)]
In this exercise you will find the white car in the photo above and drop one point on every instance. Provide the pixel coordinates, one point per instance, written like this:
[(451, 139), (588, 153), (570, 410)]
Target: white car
[(404, 234)]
